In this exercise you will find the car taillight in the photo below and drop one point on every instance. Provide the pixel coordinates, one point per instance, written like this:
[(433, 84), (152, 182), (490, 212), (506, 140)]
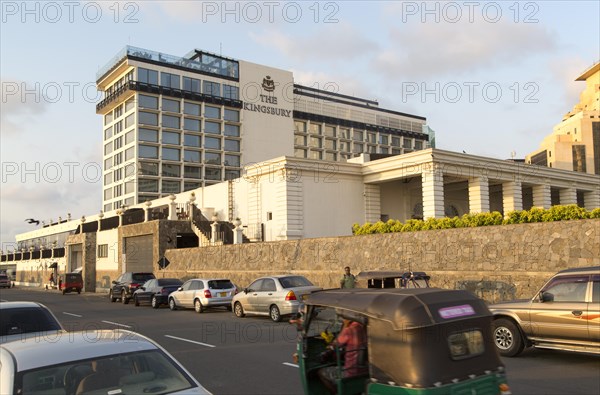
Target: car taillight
[(290, 296), (134, 285), (207, 294), (164, 291), (504, 389), (235, 291)]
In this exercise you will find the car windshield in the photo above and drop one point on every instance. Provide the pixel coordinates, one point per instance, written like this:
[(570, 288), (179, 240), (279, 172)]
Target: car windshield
[(220, 284), (26, 320), (142, 277), (169, 282), (294, 281), (133, 373)]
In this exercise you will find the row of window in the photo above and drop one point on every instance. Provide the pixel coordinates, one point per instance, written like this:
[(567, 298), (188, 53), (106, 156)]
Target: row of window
[(194, 125), (195, 85), (348, 146), (341, 156)]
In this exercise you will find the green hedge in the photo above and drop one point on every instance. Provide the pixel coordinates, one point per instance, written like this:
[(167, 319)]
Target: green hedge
[(555, 213)]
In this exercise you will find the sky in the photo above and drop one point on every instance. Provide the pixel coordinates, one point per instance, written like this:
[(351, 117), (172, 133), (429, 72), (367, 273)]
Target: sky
[(491, 78)]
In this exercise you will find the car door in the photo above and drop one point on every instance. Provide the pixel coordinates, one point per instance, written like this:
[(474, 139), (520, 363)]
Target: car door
[(250, 302), (561, 315), (183, 297), (267, 295), (145, 294), (593, 315), (118, 285)]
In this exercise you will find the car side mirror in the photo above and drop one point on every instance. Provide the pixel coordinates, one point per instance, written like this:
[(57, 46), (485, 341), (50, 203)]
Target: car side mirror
[(246, 290), (180, 289), (142, 288), (114, 282), (546, 297)]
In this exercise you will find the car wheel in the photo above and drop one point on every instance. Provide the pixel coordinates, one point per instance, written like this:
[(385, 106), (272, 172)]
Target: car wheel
[(274, 313), (110, 296), (198, 306), (136, 302), (124, 299), (64, 291), (155, 302), (507, 337), (238, 310), (172, 304), (78, 291)]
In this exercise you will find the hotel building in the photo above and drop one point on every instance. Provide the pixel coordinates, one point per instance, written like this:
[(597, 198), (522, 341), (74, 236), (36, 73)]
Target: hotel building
[(575, 142), (173, 124)]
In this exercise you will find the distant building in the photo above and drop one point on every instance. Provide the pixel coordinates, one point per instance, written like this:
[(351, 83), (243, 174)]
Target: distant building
[(173, 124), (575, 142)]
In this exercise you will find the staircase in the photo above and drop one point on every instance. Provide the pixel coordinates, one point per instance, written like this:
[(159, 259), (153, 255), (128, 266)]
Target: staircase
[(200, 226)]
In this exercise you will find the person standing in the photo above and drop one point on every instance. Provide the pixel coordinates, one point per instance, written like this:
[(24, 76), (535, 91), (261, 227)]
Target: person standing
[(348, 280)]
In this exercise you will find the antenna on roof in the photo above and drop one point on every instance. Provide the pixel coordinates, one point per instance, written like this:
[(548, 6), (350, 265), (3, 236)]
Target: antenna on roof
[(513, 153)]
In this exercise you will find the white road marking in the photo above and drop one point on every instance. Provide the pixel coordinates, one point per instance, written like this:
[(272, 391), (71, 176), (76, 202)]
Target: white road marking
[(290, 364), (74, 315), (189, 341), (117, 324)]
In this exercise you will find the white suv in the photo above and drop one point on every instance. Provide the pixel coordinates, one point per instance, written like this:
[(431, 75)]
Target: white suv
[(200, 293)]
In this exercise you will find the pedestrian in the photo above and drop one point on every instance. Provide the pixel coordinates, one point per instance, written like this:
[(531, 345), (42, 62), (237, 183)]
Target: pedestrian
[(348, 280), (51, 280)]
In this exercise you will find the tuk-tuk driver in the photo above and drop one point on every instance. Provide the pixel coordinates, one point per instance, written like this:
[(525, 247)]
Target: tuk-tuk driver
[(353, 338)]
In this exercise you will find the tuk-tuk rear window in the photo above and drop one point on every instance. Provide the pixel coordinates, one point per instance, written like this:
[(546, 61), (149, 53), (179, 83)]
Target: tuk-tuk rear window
[(466, 344)]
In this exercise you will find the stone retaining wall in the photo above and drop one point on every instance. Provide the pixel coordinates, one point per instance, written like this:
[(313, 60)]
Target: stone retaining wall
[(495, 262)]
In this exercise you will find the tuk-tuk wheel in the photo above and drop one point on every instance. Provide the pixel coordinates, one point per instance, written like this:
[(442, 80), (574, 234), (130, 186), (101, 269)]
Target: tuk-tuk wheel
[(274, 313), (507, 337), (238, 310)]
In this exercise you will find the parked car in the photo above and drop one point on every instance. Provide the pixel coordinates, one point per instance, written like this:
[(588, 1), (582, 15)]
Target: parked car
[(201, 293), (563, 315), (70, 282), (274, 296), (392, 279), (20, 320), (5, 281), (156, 291), (127, 283), (93, 362)]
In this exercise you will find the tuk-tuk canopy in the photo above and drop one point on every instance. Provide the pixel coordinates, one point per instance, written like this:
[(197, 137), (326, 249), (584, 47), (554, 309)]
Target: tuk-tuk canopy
[(404, 308)]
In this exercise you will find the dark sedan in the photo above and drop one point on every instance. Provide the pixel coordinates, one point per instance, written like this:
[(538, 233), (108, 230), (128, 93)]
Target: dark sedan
[(156, 291)]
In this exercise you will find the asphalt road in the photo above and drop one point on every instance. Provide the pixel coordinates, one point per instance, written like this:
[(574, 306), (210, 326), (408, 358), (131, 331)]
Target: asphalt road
[(229, 355)]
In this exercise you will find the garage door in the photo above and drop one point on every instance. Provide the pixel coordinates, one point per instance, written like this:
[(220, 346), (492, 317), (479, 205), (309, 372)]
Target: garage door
[(138, 254)]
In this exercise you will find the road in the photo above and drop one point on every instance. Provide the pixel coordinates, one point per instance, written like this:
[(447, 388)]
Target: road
[(229, 355)]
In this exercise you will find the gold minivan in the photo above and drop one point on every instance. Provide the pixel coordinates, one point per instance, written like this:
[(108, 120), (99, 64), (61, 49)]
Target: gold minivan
[(563, 315)]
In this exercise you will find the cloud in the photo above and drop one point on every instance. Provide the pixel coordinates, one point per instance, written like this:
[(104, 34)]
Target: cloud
[(332, 43), (19, 107), (422, 50)]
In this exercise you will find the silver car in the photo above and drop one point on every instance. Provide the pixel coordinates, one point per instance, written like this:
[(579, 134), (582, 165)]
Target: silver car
[(21, 320), (274, 296), (93, 362), (563, 315), (201, 293)]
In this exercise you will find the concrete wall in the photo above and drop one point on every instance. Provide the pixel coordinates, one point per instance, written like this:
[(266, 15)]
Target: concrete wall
[(497, 263)]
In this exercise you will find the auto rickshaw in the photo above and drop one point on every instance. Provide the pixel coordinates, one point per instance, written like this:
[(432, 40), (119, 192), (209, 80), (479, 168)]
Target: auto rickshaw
[(392, 279), (423, 341), (70, 282)]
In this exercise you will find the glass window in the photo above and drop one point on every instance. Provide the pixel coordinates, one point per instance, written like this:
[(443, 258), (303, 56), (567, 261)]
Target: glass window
[(212, 173), (107, 133), (232, 130), (117, 174), (384, 150), (315, 142), (330, 131), (108, 148), (170, 105), (171, 170), (331, 156), (148, 118), (231, 115), (129, 137), (170, 154), (371, 138), (300, 140), (357, 148), (232, 174), (212, 142), (129, 120), (212, 158), (170, 186), (118, 127), (357, 135), (191, 156), (232, 145), (129, 153), (189, 185), (191, 108), (232, 160), (330, 144), (148, 151), (465, 345), (396, 141), (316, 154), (108, 178), (145, 185), (148, 76), (148, 135), (148, 102), (129, 169), (212, 127), (108, 118), (170, 138), (596, 289), (407, 143), (129, 187), (383, 139), (191, 124), (117, 190), (300, 126), (345, 133), (231, 92), (169, 121), (118, 143), (418, 144), (212, 88), (212, 112), (118, 159), (191, 140), (315, 128), (568, 289), (170, 80), (191, 84), (130, 104), (108, 193), (192, 172), (300, 153), (148, 169)]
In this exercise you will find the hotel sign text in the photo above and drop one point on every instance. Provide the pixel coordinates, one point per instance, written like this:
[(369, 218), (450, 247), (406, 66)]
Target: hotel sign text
[(266, 108)]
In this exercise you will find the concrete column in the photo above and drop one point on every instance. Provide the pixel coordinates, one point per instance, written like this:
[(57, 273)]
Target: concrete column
[(433, 193), (512, 196), (479, 195), (541, 196), (147, 211), (591, 199), (172, 208), (213, 234), (568, 196), (238, 237), (372, 201), (100, 216), (120, 214)]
